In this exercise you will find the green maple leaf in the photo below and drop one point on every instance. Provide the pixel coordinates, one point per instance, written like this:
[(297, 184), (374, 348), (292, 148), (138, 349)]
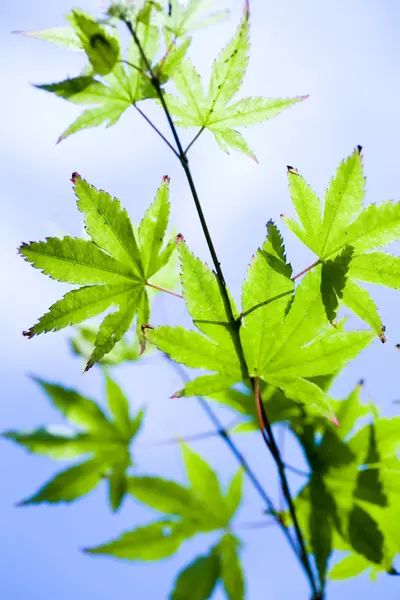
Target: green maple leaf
[(212, 110), (113, 268), (197, 508), (203, 503), (284, 343), (102, 439), (287, 348), (109, 88), (344, 237), (355, 484)]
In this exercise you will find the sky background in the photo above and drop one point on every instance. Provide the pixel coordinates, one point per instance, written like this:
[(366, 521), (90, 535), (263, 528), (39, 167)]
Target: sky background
[(345, 54)]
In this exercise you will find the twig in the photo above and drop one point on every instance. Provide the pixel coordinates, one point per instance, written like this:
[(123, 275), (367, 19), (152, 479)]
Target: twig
[(162, 289), (162, 136), (304, 271), (285, 487), (198, 134)]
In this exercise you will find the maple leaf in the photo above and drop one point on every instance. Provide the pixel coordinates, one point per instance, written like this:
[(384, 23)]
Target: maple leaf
[(113, 267), (282, 342), (103, 440), (212, 110), (353, 489), (187, 511), (112, 84), (344, 237)]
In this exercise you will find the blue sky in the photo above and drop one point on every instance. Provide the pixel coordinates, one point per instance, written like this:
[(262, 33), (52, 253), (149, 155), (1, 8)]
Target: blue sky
[(345, 55)]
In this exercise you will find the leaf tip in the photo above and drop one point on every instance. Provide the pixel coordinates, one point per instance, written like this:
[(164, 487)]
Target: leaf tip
[(75, 175), (166, 179), (177, 394), (246, 11), (361, 382), (381, 334), (291, 170), (359, 148), (179, 239), (29, 333), (333, 419)]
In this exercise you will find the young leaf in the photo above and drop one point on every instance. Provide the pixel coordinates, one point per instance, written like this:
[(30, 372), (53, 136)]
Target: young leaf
[(60, 36), (198, 580), (102, 49), (352, 230), (111, 262), (152, 542), (350, 566), (212, 110)]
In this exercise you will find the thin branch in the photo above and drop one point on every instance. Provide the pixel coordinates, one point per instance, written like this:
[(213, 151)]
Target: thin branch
[(285, 487), (141, 71), (162, 136), (162, 289), (296, 470), (198, 134), (254, 525), (304, 271), (303, 557)]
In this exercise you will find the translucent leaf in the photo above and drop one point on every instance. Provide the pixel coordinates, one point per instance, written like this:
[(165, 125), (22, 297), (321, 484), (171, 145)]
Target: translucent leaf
[(152, 230), (76, 261), (230, 138), (114, 327), (198, 580), (207, 384), (204, 299), (79, 305), (69, 485), (231, 568), (108, 224), (250, 111), (102, 49), (308, 208), (108, 114), (229, 68), (343, 200), (152, 542), (266, 294), (82, 90), (361, 303), (377, 267), (60, 36)]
